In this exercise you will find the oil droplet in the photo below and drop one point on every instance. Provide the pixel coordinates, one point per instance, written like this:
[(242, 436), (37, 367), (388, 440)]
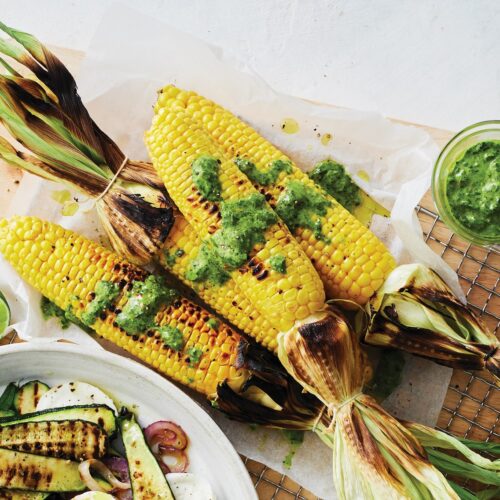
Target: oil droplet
[(326, 138), (363, 175), (70, 208), (61, 197), (290, 126)]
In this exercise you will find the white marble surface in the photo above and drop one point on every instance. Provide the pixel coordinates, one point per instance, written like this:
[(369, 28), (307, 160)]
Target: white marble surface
[(419, 60)]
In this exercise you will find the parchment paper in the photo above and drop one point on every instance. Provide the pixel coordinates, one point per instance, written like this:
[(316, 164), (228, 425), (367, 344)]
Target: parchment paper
[(130, 57)]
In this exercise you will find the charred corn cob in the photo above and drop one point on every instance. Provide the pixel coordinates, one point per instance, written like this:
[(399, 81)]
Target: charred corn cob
[(181, 247), (175, 142), (349, 258), (67, 269)]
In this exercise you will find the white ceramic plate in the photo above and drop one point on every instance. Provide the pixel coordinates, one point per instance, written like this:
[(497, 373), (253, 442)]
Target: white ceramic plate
[(151, 397)]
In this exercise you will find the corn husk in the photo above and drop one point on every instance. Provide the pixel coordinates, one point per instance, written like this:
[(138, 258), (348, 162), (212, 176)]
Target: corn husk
[(414, 310), (374, 455), (53, 136)]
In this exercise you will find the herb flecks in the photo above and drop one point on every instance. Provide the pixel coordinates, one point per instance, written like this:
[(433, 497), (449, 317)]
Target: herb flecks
[(278, 263), (105, 294), (144, 301), (213, 323), (270, 176), (332, 177), (205, 174), (301, 206), (172, 337), (194, 354), (244, 223)]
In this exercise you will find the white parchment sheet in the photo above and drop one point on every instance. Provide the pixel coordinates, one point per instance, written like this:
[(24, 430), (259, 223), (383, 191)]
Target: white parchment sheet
[(130, 58)]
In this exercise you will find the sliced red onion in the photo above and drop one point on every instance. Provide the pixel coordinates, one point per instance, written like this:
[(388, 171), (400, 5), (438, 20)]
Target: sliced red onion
[(85, 472), (119, 467), (164, 433), (172, 459)]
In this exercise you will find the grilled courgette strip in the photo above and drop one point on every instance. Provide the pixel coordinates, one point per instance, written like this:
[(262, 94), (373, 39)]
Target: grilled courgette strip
[(147, 479), (28, 395), (97, 414), (24, 471), (70, 439)]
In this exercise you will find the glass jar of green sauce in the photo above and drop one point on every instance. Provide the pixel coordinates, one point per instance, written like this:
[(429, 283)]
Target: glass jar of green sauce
[(466, 183)]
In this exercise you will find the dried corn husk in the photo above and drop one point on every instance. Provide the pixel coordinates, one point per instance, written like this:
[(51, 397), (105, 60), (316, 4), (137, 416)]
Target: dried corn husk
[(414, 310), (57, 140)]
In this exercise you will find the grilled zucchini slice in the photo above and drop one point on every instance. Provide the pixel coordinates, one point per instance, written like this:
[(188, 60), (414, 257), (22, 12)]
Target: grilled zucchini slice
[(24, 471), (28, 395), (147, 479), (97, 414), (22, 495), (70, 439)]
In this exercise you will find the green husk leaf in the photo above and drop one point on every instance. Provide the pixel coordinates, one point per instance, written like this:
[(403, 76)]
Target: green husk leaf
[(433, 438), (460, 468)]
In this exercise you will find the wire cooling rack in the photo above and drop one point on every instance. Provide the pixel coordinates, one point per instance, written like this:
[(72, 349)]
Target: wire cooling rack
[(472, 404)]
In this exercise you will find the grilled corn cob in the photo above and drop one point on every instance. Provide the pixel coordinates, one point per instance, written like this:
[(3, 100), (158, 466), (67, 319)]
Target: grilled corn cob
[(181, 247), (349, 258), (66, 268), (175, 142)]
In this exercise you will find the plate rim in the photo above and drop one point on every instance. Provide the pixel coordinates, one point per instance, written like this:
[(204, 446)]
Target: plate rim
[(187, 403)]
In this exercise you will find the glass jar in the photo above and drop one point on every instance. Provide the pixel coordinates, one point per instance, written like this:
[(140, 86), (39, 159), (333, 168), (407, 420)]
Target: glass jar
[(451, 153)]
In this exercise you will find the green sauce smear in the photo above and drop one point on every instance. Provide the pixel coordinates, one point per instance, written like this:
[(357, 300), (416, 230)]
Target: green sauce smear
[(302, 206), (278, 263), (244, 223), (194, 354), (172, 337), (171, 258), (105, 294), (205, 173), (332, 177), (65, 317), (213, 323), (263, 178), (295, 438), (144, 301), (50, 310), (473, 189), (388, 374)]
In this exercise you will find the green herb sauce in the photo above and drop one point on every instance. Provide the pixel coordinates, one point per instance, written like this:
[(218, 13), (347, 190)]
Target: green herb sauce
[(278, 263), (301, 206), (207, 266), (473, 189), (213, 323), (263, 178), (244, 223), (144, 301), (170, 258), (105, 294), (172, 337), (194, 356), (332, 177), (295, 438), (205, 173), (388, 374), (66, 317), (50, 310)]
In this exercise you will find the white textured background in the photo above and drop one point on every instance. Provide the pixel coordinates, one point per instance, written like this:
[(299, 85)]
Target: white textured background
[(427, 61)]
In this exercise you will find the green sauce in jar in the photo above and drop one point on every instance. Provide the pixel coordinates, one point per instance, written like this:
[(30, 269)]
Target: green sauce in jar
[(473, 189)]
